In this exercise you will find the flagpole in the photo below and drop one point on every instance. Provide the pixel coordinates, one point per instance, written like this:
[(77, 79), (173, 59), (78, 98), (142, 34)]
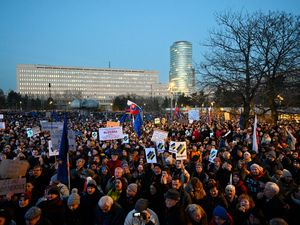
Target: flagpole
[(69, 176)]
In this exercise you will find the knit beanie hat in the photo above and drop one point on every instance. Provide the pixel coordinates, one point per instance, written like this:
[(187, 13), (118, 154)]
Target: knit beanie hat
[(133, 187), (32, 213), (141, 205), (91, 183), (286, 173), (220, 212), (74, 198)]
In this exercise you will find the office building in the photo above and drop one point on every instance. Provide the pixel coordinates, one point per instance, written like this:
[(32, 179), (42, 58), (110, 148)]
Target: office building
[(102, 84), (182, 74)]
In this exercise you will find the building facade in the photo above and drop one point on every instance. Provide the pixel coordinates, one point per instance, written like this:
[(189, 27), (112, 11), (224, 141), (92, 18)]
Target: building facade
[(102, 84), (182, 74)]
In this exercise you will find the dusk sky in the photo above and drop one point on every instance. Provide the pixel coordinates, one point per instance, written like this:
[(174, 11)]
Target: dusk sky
[(130, 34)]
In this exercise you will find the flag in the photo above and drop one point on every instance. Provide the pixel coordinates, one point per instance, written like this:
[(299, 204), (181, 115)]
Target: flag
[(254, 137), (124, 118), (134, 109), (137, 124), (241, 121), (63, 169)]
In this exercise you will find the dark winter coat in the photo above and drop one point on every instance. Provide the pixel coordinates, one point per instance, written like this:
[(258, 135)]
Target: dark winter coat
[(115, 216)]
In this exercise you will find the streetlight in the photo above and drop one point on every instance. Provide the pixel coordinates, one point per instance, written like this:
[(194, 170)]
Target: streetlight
[(20, 105)]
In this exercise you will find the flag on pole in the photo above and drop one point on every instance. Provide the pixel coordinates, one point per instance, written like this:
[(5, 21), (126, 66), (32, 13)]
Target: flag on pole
[(137, 124), (124, 117), (254, 136), (63, 168), (134, 109)]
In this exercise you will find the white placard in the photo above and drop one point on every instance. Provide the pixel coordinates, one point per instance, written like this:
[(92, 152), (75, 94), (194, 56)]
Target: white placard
[(150, 155), (160, 146), (212, 155), (157, 121), (52, 152), (12, 185), (181, 152), (125, 139), (1, 116), (56, 136), (159, 135), (194, 114), (110, 133), (95, 135)]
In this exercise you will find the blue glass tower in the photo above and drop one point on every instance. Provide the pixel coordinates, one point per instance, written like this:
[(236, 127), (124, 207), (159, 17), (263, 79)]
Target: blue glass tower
[(182, 74)]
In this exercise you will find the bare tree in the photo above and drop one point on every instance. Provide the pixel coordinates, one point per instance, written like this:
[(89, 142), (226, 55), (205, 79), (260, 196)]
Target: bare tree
[(278, 45), (232, 62)]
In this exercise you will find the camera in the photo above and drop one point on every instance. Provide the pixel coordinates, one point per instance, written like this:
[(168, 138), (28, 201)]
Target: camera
[(141, 214)]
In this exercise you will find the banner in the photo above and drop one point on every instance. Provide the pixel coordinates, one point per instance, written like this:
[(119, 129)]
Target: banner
[(13, 168), (159, 135), (12, 185), (150, 155), (212, 155), (226, 116), (160, 146), (194, 114), (110, 133), (48, 126), (2, 125), (112, 124)]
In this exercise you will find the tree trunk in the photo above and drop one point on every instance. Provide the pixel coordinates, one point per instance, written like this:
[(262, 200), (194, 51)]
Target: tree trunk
[(246, 115)]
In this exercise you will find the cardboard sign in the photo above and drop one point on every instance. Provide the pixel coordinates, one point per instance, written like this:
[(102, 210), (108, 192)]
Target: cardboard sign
[(111, 133), (226, 116), (125, 139), (2, 125), (112, 124), (194, 114), (13, 168), (150, 155), (157, 121), (160, 146), (12, 185), (212, 155), (159, 135)]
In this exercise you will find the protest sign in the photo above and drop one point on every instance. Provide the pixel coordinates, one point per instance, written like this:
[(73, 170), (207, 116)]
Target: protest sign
[(125, 139), (181, 152), (110, 133), (56, 135), (226, 116), (159, 135), (52, 152), (95, 135), (160, 146), (112, 124), (1, 116), (12, 185), (194, 114), (48, 114), (13, 168), (212, 155), (2, 125), (29, 132), (157, 121), (150, 155)]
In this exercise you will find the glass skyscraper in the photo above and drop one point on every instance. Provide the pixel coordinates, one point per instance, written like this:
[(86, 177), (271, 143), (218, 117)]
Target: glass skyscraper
[(182, 74)]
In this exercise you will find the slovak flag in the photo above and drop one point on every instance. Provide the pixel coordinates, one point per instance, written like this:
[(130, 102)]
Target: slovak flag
[(133, 108)]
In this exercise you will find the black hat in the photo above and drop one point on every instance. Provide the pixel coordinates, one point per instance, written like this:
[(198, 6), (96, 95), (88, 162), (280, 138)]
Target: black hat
[(141, 205), (172, 194), (53, 190), (158, 165)]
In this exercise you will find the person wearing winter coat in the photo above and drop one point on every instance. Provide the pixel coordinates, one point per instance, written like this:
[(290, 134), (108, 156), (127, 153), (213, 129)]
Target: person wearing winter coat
[(22, 206), (73, 210), (196, 215), (221, 217), (109, 212), (34, 217), (174, 214)]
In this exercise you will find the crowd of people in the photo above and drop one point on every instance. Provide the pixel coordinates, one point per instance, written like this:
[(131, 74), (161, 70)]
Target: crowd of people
[(111, 182)]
